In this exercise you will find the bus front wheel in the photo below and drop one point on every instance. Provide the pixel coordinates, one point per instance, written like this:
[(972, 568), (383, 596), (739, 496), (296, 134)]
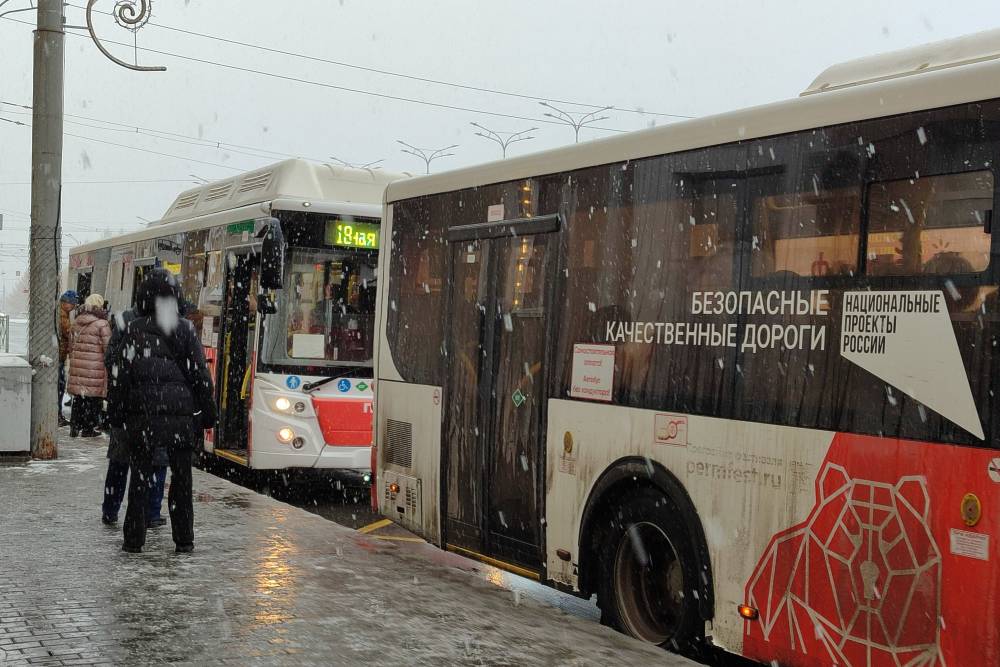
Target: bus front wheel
[(647, 586)]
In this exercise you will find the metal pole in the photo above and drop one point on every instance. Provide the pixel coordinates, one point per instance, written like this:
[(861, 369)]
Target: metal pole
[(46, 188)]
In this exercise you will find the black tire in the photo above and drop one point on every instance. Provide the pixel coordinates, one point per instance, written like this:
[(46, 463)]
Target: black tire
[(648, 573)]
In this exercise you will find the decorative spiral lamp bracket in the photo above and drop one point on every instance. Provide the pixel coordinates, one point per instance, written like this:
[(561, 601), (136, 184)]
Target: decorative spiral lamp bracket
[(131, 15)]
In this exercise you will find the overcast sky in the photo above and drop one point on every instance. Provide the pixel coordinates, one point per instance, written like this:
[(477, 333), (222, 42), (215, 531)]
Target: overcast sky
[(660, 56)]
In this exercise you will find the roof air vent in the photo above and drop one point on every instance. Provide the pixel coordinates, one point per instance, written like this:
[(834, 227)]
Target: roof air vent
[(187, 201), (255, 182), (219, 191)]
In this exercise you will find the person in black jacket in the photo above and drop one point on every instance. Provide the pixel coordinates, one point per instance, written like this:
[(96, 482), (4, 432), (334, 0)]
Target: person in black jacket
[(161, 396), (116, 480)]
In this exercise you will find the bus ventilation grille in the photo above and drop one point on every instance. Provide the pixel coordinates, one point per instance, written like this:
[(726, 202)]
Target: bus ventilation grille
[(255, 182), (399, 443), (187, 201), (219, 191), (412, 500)]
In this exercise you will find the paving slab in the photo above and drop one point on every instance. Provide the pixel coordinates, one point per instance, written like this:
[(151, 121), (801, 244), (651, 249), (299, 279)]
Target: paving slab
[(268, 584)]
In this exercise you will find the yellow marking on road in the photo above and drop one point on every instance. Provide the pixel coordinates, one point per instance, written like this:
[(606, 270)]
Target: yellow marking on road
[(398, 539), (381, 523), (503, 565)]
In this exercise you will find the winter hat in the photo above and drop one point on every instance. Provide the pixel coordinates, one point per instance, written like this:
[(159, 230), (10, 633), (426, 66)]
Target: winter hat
[(94, 302), (70, 296), (157, 283)]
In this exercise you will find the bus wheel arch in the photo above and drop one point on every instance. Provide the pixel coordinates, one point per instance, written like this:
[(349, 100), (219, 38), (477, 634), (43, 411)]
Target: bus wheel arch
[(620, 486)]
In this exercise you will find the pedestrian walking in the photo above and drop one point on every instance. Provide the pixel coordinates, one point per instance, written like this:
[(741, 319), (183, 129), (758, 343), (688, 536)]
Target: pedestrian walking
[(68, 302), (88, 378), (116, 479), (161, 396)]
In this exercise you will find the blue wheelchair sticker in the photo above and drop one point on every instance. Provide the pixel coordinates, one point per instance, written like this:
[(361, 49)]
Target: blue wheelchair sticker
[(344, 385), (293, 381)]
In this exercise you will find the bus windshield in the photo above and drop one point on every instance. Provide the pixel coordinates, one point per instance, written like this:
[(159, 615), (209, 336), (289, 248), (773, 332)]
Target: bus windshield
[(326, 310)]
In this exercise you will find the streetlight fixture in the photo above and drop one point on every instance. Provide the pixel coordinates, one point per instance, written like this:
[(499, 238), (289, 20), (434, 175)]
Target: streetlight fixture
[(200, 180), (576, 120), (426, 154), (370, 166), (503, 139)]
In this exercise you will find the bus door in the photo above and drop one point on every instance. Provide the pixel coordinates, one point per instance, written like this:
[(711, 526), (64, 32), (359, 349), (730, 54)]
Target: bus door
[(84, 279), (140, 269), (234, 371), (499, 321)]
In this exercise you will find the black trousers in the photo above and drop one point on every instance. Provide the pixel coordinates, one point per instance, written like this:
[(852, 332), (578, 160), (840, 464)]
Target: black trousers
[(179, 499), (86, 414)]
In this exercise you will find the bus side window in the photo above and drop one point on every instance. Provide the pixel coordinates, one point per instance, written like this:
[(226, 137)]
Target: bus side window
[(418, 266), (929, 191), (810, 234), (936, 225)]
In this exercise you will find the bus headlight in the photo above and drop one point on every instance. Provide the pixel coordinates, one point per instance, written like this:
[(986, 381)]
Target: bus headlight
[(282, 404), (286, 435)]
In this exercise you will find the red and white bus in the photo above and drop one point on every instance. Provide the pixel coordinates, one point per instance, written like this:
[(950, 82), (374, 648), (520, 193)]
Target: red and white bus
[(278, 273), (732, 375)]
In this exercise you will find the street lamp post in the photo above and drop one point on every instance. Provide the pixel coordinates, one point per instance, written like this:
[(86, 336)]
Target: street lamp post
[(575, 120), (370, 166), (503, 139), (426, 154), (46, 193)]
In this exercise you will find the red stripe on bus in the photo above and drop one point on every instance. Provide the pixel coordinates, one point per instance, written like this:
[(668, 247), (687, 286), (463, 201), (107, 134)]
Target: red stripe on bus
[(345, 421)]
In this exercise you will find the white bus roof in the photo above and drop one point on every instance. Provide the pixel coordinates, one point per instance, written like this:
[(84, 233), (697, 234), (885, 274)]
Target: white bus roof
[(288, 179), (289, 184), (965, 69), (965, 50)]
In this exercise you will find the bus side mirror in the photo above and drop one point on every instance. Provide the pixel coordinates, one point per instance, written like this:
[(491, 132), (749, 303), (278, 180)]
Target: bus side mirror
[(272, 254)]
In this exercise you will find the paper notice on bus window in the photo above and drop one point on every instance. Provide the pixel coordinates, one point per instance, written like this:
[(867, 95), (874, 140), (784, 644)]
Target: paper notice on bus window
[(494, 213), (593, 372), (206, 331), (308, 346)]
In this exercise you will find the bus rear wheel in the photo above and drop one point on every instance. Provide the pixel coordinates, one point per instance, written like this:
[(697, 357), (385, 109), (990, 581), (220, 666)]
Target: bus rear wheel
[(647, 586)]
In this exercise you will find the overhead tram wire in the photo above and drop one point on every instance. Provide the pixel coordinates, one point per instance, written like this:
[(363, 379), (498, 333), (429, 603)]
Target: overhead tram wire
[(284, 77), (321, 84), (233, 148), (111, 182), (146, 150), (412, 77), (154, 133)]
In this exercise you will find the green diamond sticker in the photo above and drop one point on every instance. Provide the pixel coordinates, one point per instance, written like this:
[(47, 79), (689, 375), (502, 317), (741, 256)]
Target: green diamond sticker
[(518, 398), (361, 385)]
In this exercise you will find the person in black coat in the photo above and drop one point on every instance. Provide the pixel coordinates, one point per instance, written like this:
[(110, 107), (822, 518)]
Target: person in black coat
[(116, 480), (162, 397)]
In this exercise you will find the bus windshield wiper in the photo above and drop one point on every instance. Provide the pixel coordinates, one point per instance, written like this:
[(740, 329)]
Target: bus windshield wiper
[(309, 386)]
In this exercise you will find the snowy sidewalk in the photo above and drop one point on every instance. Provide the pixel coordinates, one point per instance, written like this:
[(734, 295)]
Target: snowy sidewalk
[(267, 584)]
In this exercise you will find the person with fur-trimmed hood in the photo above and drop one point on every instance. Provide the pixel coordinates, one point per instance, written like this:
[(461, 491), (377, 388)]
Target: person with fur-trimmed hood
[(161, 396), (88, 380)]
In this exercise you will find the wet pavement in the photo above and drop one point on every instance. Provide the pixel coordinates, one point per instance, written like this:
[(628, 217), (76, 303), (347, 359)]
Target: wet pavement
[(268, 583)]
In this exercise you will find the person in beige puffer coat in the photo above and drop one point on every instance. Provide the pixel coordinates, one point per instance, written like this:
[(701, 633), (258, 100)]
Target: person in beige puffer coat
[(88, 377)]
